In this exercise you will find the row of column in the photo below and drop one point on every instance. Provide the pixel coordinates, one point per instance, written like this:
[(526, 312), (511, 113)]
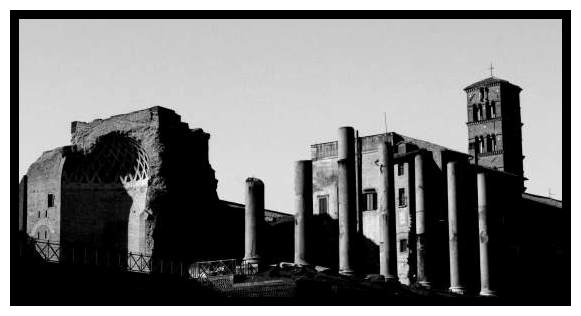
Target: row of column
[(456, 281), (347, 215), (388, 254), (387, 229)]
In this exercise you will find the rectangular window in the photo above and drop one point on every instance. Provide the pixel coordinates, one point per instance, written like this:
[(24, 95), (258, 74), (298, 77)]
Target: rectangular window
[(400, 169), (370, 200), (403, 245), (51, 200), (401, 200), (323, 204)]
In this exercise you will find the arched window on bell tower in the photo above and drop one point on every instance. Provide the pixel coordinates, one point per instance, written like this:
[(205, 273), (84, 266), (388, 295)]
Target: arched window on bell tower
[(493, 137), (474, 113), (488, 143), (481, 94), (488, 110), (480, 117), (481, 144), (492, 109)]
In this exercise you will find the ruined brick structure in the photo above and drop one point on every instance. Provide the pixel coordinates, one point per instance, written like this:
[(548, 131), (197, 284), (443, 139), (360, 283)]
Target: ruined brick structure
[(116, 185), (138, 182)]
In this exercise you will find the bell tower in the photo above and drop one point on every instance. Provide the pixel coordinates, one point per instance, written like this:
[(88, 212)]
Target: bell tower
[(494, 125)]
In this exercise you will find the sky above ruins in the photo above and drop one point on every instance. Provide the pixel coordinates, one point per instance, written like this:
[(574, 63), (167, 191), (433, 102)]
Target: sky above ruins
[(266, 90)]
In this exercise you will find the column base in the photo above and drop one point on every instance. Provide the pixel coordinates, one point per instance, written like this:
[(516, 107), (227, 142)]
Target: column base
[(301, 263), (487, 292), (457, 290), (252, 260), (347, 272)]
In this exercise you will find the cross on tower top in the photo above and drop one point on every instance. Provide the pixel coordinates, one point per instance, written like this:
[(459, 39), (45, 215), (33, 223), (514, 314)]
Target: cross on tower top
[(491, 68)]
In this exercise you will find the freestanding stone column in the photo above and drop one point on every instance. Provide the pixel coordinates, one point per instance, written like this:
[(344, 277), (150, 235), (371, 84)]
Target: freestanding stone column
[(347, 188), (453, 198), (420, 194), (483, 233), (387, 245), (303, 209), (254, 220), (359, 183)]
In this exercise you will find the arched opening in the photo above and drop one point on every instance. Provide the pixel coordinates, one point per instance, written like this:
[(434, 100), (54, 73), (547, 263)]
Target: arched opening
[(480, 116), (474, 113), (494, 148), (104, 193), (481, 144), (492, 109), (488, 110), (488, 143)]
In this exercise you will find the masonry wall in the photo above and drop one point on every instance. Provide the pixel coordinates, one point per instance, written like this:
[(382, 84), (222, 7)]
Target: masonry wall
[(44, 179), (104, 216), (512, 130), (325, 184)]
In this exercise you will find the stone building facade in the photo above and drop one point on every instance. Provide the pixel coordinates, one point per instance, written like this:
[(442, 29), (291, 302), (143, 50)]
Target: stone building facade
[(494, 138)]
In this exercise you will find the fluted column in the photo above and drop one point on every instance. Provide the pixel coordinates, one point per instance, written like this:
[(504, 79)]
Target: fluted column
[(303, 209), (453, 199), (387, 246)]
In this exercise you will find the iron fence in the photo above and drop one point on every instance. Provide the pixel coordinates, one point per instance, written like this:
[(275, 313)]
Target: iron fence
[(54, 252), (48, 251)]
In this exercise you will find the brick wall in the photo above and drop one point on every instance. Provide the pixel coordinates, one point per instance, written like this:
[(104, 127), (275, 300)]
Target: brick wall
[(44, 178)]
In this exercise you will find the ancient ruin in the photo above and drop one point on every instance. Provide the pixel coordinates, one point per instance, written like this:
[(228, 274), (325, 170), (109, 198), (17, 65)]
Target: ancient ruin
[(400, 209)]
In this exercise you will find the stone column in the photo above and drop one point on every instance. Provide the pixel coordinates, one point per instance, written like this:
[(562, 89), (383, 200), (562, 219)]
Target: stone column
[(303, 209), (420, 195), (483, 233), (254, 220), (387, 245), (359, 182), (347, 188), (453, 199)]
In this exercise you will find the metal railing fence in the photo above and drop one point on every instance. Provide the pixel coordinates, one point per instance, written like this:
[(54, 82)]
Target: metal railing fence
[(54, 252)]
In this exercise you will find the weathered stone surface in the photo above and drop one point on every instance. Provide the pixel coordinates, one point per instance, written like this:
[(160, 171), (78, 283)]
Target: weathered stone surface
[(138, 182), (44, 179)]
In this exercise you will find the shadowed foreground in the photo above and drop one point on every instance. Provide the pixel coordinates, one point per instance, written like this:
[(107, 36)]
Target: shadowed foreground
[(39, 283)]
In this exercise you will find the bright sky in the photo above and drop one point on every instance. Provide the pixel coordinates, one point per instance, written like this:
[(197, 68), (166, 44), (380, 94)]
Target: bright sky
[(266, 90)]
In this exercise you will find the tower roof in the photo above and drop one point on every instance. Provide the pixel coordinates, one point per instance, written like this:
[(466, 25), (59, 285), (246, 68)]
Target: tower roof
[(488, 81)]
